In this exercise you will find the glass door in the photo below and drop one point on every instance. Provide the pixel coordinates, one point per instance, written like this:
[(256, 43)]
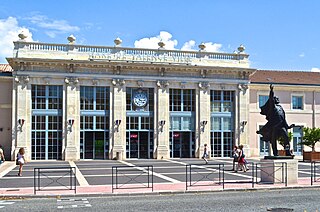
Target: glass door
[(94, 145), (138, 145), (181, 145)]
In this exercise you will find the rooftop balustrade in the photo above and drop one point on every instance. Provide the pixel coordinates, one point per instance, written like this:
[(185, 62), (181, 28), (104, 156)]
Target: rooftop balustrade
[(24, 49)]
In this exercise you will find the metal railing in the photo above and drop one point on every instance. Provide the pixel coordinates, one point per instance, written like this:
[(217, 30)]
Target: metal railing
[(54, 178), (204, 175), (130, 177), (271, 173), (315, 172), (250, 172)]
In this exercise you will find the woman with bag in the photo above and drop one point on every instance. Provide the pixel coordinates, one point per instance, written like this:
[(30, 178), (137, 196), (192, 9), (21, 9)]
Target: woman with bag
[(242, 163), (235, 155), (20, 160)]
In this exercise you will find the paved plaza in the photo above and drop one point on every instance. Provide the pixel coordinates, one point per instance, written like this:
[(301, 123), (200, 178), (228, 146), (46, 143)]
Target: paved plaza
[(101, 176)]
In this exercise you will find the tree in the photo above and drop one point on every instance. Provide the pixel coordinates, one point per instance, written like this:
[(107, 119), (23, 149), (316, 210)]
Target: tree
[(281, 139), (310, 137)]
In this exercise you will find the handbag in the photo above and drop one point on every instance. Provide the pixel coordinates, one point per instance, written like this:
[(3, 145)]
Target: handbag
[(17, 162)]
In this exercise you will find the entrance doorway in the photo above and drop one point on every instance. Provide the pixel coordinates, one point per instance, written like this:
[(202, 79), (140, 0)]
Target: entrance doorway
[(182, 144), (93, 145), (138, 145)]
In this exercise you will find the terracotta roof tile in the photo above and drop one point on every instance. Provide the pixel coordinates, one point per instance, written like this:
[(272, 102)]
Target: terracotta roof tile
[(5, 68), (286, 77)]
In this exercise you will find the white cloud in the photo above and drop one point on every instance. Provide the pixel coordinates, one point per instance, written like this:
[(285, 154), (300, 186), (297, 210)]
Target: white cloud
[(152, 42), (302, 54), (315, 69), (213, 47), (166, 37), (9, 30), (210, 47), (189, 46), (53, 27)]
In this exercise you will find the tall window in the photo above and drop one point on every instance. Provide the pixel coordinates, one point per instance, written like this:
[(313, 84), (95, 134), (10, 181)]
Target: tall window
[(297, 138), (94, 122), (139, 122), (297, 102), (46, 129), (182, 107), (263, 99), (222, 122), (264, 146)]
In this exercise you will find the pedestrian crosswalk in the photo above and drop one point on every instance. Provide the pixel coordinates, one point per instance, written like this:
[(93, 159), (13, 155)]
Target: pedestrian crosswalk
[(73, 203), (4, 203)]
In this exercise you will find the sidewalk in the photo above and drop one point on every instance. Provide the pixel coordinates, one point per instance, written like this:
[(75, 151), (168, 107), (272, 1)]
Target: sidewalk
[(131, 189), (167, 188)]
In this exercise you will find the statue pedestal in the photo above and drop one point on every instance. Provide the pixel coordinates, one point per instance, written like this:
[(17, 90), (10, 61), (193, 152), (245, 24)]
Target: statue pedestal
[(272, 172)]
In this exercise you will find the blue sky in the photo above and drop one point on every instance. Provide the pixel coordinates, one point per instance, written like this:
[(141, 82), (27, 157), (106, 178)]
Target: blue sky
[(277, 34)]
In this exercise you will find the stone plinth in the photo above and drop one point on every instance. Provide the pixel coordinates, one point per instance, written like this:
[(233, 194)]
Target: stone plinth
[(271, 171)]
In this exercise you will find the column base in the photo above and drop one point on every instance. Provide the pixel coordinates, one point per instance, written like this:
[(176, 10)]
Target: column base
[(118, 153), (163, 152), (272, 173), (71, 154)]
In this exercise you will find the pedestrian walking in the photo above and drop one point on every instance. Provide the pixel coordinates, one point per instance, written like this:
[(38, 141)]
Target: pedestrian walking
[(235, 156), (205, 153), (20, 160), (2, 159), (242, 163)]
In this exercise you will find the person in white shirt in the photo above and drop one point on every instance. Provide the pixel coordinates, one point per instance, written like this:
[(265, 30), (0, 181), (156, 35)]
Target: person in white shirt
[(20, 160)]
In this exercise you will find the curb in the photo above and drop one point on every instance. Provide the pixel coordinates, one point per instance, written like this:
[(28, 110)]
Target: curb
[(156, 193)]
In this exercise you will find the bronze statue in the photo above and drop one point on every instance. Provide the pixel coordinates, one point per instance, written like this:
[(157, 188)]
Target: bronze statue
[(277, 125)]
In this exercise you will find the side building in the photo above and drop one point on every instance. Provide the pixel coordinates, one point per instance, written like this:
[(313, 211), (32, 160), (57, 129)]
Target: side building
[(72, 102), (6, 109), (299, 95)]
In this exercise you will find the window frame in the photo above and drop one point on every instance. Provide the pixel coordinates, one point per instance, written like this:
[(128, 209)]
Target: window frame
[(302, 101)]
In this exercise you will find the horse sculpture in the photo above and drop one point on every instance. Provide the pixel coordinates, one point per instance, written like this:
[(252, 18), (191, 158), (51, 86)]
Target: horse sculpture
[(277, 125)]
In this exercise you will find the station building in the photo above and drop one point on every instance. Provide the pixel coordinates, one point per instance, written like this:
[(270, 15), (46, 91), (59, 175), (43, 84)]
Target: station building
[(71, 102)]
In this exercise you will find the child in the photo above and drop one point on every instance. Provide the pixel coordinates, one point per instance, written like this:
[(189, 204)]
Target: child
[(21, 160), (205, 153)]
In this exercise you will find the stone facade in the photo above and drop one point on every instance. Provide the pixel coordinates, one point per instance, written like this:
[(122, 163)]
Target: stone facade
[(72, 66)]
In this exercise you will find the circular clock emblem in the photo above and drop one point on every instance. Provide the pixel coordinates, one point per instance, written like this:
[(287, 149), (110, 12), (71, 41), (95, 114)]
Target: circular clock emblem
[(140, 99)]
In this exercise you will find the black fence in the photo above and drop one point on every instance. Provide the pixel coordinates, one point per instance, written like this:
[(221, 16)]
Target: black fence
[(315, 172), (54, 178), (250, 174), (271, 173), (130, 177), (204, 175)]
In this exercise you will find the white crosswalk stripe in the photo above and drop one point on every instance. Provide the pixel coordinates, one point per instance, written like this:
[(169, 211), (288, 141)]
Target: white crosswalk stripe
[(73, 203), (4, 203)]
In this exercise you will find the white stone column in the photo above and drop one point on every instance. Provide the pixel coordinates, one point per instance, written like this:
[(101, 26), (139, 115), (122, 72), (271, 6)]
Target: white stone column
[(22, 119), (203, 118), (118, 123), (72, 120), (243, 117), (163, 151)]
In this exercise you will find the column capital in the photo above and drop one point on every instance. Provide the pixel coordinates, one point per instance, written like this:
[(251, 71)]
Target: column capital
[(163, 83), (72, 81), (22, 79), (118, 82), (204, 85), (243, 87)]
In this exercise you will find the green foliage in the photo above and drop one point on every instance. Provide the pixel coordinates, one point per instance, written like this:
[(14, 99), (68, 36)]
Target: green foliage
[(310, 137), (281, 139)]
